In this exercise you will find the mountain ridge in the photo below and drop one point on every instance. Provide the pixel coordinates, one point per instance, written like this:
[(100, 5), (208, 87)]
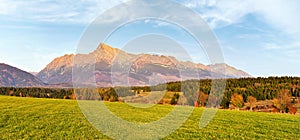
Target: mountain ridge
[(113, 64), (11, 76)]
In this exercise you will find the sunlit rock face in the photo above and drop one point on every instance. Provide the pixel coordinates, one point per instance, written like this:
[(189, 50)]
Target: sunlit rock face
[(114, 67)]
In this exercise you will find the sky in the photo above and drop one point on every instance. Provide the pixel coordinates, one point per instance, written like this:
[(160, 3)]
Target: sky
[(261, 37)]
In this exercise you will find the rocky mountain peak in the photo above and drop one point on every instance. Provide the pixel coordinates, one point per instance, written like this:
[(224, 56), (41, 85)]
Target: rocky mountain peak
[(107, 48), (66, 60), (141, 67)]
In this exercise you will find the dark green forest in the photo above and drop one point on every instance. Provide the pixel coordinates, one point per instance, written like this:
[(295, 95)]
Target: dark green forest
[(37, 92), (260, 88)]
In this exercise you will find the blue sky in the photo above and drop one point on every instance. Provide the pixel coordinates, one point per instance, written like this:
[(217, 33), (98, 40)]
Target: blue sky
[(259, 37)]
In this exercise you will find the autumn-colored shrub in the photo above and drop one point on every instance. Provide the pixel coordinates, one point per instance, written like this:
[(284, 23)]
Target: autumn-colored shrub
[(202, 99), (196, 104), (251, 100), (237, 100), (292, 109), (275, 110)]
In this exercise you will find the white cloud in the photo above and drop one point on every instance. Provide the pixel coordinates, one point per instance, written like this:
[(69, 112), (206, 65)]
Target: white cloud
[(248, 36), (83, 11), (280, 19), (197, 3), (223, 12), (158, 23), (289, 51), (283, 47), (272, 46), (281, 14)]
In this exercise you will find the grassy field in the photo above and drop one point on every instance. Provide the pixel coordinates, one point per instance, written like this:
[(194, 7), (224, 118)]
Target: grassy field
[(29, 118)]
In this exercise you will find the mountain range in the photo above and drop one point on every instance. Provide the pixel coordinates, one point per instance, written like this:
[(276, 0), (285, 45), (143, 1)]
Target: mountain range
[(14, 77), (108, 66)]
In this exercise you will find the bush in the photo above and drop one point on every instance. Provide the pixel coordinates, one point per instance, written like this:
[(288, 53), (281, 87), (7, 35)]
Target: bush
[(237, 100), (292, 109)]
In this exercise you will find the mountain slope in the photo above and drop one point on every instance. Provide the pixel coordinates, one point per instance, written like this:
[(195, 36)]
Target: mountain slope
[(230, 71), (114, 66), (14, 77), (58, 71)]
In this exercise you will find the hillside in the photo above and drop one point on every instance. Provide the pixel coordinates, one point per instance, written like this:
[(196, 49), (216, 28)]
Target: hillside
[(14, 77), (31, 118), (113, 65)]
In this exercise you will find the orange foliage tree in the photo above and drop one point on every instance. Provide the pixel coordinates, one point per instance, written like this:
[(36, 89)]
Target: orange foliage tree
[(202, 98), (282, 100), (251, 100), (237, 100)]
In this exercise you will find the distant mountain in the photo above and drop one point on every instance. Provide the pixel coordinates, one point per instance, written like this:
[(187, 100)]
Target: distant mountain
[(112, 66), (229, 70), (14, 77)]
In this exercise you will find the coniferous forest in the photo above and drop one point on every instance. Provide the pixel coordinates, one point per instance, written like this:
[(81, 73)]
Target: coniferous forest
[(260, 89)]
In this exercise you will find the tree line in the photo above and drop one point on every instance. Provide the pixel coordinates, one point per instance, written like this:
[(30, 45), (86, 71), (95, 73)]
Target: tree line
[(106, 94), (256, 88), (243, 90), (37, 92)]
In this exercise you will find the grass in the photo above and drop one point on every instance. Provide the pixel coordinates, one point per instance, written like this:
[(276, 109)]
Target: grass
[(29, 118)]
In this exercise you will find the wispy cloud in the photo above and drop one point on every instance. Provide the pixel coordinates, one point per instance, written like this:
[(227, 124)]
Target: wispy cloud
[(288, 51), (58, 11), (248, 36), (278, 13), (282, 47), (221, 13), (272, 46), (277, 21)]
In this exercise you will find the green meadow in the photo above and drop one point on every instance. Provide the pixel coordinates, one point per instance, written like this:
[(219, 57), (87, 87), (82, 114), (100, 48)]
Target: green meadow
[(32, 118)]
